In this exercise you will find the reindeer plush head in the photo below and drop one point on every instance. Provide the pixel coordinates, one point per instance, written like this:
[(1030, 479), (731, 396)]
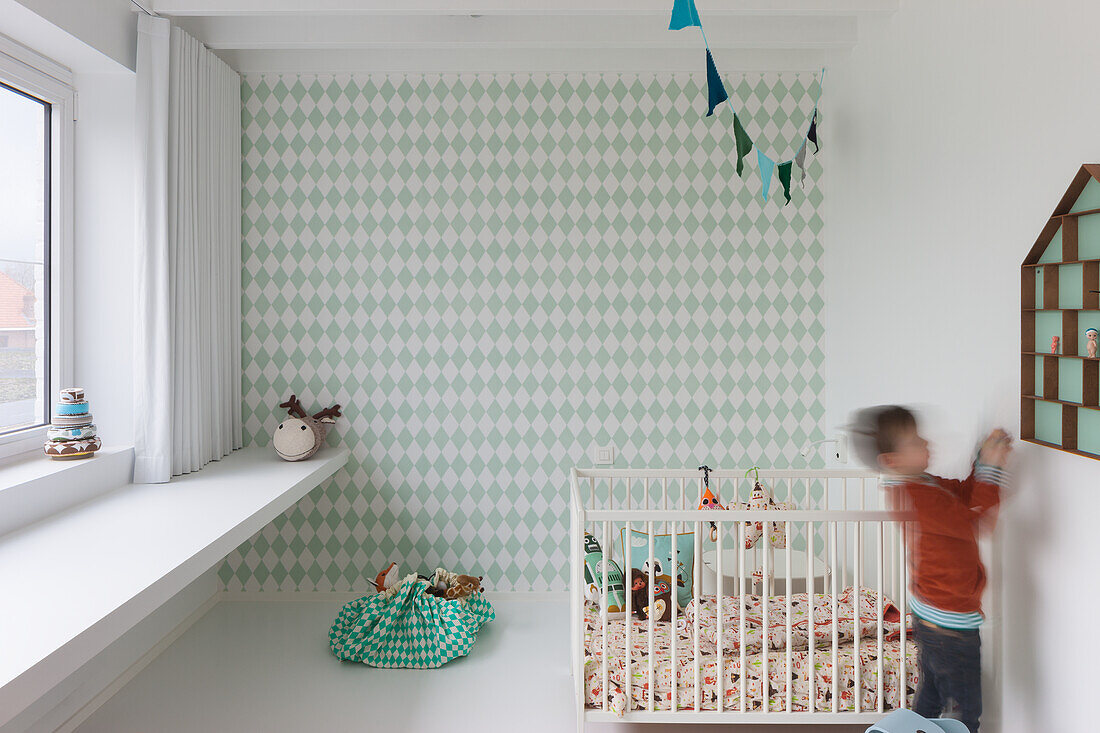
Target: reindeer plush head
[(300, 435)]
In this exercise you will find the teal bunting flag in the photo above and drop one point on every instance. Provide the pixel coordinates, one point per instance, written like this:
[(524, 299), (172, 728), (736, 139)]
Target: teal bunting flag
[(684, 15), (784, 172), (716, 93), (767, 166)]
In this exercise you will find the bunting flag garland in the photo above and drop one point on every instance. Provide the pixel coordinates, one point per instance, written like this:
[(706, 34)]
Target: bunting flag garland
[(744, 143), (784, 172), (686, 15), (716, 93), (766, 165)]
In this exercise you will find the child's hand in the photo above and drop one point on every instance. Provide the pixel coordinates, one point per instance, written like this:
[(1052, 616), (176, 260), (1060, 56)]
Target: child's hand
[(995, 448)]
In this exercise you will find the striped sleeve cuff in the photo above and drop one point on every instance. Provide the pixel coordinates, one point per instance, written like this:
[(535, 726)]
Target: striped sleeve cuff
[(990, 474)]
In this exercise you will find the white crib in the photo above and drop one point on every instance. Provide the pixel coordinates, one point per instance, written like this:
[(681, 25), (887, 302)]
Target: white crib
[(839, 520)]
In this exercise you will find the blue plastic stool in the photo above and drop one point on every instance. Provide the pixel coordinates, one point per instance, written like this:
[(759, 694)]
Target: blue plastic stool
[(906, 721)]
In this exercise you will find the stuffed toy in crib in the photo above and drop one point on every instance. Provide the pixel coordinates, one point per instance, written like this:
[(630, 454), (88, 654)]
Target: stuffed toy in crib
[(761, 500), (639, 595), (595, 564)]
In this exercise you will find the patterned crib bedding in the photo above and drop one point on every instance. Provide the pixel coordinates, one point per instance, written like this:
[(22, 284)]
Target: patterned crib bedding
[(847, 603), (823, 667)]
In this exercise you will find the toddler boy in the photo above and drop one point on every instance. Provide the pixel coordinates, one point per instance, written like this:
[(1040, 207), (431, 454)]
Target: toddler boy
[(946, 572)]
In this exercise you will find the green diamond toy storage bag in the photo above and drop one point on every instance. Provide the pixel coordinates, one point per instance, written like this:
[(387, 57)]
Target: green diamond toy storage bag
[(406, 627)]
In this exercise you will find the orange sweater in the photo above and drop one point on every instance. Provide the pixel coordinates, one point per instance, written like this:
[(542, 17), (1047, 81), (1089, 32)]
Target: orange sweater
[(945, 567)]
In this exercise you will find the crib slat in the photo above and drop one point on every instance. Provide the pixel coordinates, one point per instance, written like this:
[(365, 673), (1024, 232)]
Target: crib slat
[(765, 646), (718, 615), (844, 538), (651, 583), (858, 702), (881, 704), (628, 624), (811, 627), (697, 582), (741, 609), (603, 608), (833, 573), (787, 592), (904, 662), (675, 608)]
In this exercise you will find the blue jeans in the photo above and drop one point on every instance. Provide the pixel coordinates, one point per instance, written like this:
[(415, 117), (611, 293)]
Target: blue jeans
[(950, 672)]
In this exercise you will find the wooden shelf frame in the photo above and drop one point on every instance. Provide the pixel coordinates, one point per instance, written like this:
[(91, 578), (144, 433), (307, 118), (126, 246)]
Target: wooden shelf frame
[(1072, 342)]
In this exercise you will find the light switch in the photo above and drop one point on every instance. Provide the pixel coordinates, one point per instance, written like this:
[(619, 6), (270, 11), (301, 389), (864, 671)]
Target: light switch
[(605, 455)]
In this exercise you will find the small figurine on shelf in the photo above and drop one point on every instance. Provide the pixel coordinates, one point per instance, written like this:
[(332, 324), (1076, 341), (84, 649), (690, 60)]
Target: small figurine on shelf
[(1054, 344), (1090, 348)]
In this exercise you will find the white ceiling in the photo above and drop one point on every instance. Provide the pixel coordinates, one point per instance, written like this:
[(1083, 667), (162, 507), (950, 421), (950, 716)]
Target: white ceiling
[(519, 35)]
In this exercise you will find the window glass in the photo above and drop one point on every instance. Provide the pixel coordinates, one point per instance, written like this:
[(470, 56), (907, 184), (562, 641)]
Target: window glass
[(24, 265)]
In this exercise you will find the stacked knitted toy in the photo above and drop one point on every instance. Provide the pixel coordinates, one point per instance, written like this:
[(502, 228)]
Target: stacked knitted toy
[(71, 433)]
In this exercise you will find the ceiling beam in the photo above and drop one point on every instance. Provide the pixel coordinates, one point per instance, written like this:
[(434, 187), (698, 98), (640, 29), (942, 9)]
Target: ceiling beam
[(734, 64), (707, 8), (519, 32)]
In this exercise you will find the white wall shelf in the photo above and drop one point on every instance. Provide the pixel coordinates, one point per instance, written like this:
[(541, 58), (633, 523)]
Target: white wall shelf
[(75, 582)]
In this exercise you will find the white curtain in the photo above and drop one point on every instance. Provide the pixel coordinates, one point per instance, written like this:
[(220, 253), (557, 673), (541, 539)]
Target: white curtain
[(188, 304)]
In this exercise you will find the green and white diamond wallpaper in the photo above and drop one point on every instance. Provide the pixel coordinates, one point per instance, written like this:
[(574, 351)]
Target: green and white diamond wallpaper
[(496, 273)]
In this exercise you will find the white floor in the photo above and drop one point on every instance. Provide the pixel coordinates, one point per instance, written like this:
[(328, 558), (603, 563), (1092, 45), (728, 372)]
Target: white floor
[(266, 666)]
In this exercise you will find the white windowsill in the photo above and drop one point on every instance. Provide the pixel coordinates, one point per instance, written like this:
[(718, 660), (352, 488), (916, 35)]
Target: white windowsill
[(33, 465), (33, 487), (76, 581)]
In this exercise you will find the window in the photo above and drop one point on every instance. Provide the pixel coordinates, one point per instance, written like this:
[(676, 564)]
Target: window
[(24, 259), (36, 106)]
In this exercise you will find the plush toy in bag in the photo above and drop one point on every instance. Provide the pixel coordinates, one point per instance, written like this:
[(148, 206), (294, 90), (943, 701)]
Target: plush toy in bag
[(407, 624), (301, 434)]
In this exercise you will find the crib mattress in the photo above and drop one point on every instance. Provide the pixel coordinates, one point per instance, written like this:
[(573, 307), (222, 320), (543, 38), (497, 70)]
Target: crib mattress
[(850, 636)]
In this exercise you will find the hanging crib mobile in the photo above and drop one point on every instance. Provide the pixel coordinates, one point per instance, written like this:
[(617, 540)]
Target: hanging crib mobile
[(707, 500)]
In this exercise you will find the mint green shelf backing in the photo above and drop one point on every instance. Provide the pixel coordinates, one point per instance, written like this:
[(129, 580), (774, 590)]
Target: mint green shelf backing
[(1088, 236), (1085, 321), (1053, 252), (1038, 288), (1089, 198), (1088, 431), (1038, 375), (1070, 374), (1071, 280), (1048, 422), (1047, 324)]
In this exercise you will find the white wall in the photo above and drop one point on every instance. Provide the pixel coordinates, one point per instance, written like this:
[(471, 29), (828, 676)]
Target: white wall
[(951, 133), (104, 250)]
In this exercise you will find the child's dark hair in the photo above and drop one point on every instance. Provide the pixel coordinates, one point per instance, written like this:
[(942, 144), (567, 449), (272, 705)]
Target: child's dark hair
[(876, 430)]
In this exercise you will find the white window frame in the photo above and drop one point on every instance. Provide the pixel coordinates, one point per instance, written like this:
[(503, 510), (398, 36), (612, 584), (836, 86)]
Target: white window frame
[(29, 71)]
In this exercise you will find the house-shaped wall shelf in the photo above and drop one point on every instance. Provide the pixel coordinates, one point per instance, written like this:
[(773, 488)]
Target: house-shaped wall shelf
[(1060, 278)]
